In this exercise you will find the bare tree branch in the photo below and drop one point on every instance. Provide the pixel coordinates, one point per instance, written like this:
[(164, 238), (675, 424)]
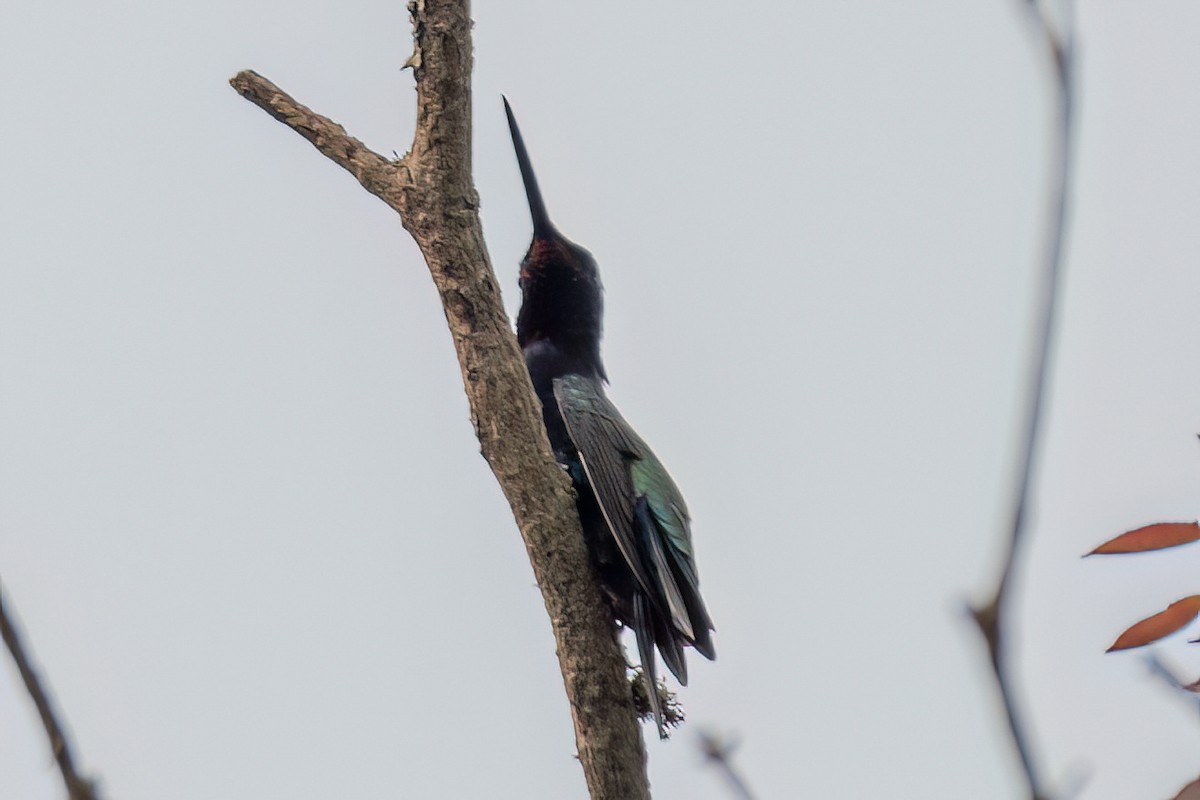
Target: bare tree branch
[(432, 189), (719, 752), (989, 617), (1180, 688), (78, 787)]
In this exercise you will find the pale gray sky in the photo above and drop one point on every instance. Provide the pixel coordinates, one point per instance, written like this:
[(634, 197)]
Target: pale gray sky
[(243, 516)]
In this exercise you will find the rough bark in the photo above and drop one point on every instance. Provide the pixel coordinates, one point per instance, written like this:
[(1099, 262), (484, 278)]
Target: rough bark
[(432, 189)]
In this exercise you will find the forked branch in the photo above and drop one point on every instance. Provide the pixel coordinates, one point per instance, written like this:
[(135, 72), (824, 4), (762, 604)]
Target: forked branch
[(432, 190), (990, 617)]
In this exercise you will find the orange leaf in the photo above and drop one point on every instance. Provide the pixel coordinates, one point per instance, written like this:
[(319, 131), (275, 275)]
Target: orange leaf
[(1151, 537), (1164, 623)]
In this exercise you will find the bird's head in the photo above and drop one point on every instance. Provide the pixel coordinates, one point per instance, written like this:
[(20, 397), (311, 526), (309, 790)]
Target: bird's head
[(561, 296)]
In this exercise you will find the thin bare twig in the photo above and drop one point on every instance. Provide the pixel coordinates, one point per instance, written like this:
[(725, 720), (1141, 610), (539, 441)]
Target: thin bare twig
[(78, 787), (989, 616), (431, 188), (1180, 688), (719, 752)]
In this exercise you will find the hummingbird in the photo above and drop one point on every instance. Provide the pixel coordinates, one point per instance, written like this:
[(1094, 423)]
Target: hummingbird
[(635, 522)]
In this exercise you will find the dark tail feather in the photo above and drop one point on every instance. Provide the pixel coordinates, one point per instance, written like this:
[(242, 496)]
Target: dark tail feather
[(682, 608), (537, 208), (704, 644), (701, 623), (643, 628), (670, 646), (670, 598)]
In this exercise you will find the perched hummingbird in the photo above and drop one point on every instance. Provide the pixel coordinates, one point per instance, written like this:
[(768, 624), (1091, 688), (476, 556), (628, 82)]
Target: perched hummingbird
[(634, 519)]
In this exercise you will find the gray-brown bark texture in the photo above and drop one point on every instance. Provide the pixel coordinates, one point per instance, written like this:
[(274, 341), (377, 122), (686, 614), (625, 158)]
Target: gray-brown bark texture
[(432, 189)]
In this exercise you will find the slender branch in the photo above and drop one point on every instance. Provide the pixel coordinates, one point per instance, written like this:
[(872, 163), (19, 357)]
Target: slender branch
[(1181, 689), (719, 752), (78, 787), (431, 188), (989, 617)]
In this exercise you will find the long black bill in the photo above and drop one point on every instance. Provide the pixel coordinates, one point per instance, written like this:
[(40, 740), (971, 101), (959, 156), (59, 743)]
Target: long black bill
[(537, 208)]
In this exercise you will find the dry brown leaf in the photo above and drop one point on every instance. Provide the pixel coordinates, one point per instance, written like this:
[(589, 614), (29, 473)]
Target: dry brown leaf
[(1164, 623), (1151, 537)]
